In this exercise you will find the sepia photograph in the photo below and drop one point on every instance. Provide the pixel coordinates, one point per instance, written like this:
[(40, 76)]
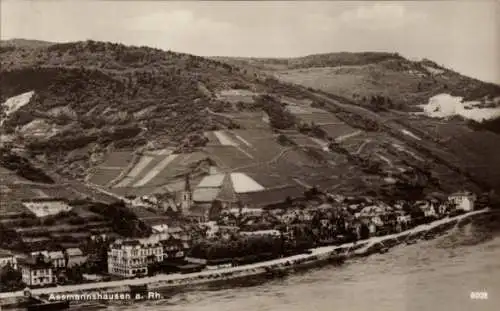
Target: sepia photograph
[(249, 155)]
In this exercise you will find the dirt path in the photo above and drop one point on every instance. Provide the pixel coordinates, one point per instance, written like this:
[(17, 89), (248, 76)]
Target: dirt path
[(366, 142), (344, 137)]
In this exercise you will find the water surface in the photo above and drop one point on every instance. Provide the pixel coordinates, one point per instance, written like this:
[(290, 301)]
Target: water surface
[(430, 275)]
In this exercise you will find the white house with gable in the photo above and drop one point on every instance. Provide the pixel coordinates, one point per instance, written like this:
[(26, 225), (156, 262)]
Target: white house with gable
[(463, 200)]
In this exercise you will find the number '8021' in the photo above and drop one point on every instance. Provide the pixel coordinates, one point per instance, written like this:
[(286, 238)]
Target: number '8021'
[(479, 295)]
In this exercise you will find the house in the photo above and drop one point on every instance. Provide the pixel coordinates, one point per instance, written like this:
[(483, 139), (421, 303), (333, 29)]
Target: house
[(463, 200), (7, 258), (160, 228), (246, 211), (261, 233), (56, 258), (226, 232), (74, 257), (211, 229), (127, 258), (173, 248), (36, 271), (429, 209), (373, 228)]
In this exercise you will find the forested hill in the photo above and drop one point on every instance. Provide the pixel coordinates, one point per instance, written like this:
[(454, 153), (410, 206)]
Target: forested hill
[(104, 96)]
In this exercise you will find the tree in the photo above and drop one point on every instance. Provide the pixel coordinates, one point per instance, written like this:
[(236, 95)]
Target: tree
[(74, 274), (215, 210), (11, 279), (284, 140)]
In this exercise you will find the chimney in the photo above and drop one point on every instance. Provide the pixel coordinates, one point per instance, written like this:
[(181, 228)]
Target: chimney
[(212, 170)]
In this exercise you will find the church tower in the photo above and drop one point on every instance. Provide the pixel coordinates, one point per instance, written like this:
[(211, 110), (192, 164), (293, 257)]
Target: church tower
[(186, 196)]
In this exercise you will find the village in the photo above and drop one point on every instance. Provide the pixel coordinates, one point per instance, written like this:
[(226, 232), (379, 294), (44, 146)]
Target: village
[(201, 235), (269, 185)]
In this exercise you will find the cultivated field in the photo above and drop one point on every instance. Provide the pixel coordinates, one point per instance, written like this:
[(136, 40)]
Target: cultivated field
[(235, 96), (319, 118), (251, 120), (229, 157), (153, 169), (337, 131), (102, 176), (118, 159)]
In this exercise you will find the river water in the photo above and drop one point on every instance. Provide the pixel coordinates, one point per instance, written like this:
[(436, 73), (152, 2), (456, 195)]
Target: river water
[(437, 274)]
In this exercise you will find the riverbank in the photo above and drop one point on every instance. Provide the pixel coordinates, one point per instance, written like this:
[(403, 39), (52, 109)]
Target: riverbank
[(317, 256)]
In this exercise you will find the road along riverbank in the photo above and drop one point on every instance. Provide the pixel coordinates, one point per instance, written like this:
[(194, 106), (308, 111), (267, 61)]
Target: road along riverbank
[(271, 268)]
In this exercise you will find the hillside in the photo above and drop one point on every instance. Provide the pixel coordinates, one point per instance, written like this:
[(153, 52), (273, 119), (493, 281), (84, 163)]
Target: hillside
[(134, 120), (390, 90), (94, 96), (359, 76)]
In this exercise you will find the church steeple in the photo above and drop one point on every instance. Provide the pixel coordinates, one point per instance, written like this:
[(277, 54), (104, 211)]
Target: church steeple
[(187, 196), (187, 184)]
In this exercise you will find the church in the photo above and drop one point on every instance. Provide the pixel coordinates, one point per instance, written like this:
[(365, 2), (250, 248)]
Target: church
[(194, 209)]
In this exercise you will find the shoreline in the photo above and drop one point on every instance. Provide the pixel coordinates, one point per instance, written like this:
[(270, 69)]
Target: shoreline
[(318, 256)]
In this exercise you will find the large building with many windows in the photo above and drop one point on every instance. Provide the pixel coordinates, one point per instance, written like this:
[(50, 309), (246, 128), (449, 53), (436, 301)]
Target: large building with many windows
[(130, 258)]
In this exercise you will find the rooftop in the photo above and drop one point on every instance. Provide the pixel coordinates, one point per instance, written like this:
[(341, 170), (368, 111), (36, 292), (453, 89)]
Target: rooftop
[(34, 263), (74, 252), (56, 254), (5, 253), (205, 194), (462, 194), (272, 196), (211, 181)]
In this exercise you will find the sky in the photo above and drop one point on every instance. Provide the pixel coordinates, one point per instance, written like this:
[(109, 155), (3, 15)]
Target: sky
[(463, 35)]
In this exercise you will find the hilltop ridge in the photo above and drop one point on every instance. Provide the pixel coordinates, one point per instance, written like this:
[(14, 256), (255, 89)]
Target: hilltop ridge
[(361, 75)]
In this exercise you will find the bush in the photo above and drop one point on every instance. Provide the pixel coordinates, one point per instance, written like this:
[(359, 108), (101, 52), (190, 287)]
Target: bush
[(285, 141), (11, 279)]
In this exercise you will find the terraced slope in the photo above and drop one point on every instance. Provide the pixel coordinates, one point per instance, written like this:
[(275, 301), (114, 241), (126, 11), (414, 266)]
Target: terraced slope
[(95, 99)]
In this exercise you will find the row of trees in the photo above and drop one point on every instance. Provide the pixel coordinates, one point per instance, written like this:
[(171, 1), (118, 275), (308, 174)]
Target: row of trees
[(125, 222), (23, 167), (237, 247), (492, 125), (279, 117)]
